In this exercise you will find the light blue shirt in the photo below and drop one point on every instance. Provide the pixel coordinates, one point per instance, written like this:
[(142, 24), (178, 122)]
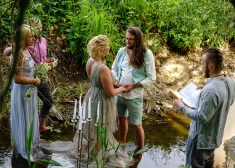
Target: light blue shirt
[(210, 114), (145, 75)]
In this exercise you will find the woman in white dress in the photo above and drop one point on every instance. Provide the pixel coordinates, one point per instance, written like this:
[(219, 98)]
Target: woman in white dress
[(24, 113)]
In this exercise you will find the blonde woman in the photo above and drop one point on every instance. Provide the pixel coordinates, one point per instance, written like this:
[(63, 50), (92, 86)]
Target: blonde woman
[(38, 52), (101, 91), (24, 108)]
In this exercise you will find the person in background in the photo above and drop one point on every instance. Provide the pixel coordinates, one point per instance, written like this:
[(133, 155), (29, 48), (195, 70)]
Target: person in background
[(24, 111), (39, 54), (210, 114), (134, 68)]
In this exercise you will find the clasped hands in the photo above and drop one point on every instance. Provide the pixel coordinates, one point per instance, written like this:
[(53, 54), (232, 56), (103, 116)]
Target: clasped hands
[(128, 87)]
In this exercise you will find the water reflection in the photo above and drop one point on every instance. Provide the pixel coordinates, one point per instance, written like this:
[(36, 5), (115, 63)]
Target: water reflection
[(164, 149), (156, 157)]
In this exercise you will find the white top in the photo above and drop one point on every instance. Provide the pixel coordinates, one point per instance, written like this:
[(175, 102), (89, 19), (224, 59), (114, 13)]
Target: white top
[(126, 78)]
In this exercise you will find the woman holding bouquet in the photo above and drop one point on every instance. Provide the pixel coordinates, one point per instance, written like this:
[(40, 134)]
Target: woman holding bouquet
[(24, 113), (38, 51)]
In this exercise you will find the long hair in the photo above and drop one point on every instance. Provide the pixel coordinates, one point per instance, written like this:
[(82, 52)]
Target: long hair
[(137, 60), (214, 55), (25, 33)]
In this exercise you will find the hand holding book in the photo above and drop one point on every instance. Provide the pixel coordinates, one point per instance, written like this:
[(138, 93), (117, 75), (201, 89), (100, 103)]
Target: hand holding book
[(189, 94), (177, 102)]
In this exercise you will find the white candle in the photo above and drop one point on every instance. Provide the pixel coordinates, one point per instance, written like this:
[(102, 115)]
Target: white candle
[(84, 111), (80, 101), (89, 108), (75, 109), (80, 112), (80, 125), (98, 112)]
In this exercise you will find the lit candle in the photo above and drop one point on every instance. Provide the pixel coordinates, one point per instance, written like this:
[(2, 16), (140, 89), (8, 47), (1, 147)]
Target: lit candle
[(84, 111), (98, 112), (75, 109), (89, 108)]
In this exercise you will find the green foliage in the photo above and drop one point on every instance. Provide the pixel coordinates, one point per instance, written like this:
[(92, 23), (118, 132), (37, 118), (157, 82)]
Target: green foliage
[(106, 145), (189, 24), (92, 20), (141, 151), (181, 24), (5, 29), (68, 92), (182, 166), (29, 141), (52, 162), (41, 71)]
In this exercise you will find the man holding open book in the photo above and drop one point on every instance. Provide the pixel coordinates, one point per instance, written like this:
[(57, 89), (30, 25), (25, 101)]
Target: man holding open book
[(210, 113)]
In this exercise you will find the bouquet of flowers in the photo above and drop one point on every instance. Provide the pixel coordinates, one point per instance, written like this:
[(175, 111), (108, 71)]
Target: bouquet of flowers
[(41, 71)]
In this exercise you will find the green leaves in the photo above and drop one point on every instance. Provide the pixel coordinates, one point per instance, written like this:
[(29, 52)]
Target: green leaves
[(190, 24), (144, 149), (29, 141), (41, 71), (52, 162)]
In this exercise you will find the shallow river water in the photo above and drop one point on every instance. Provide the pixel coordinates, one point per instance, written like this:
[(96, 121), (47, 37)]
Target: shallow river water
[(164, 138)]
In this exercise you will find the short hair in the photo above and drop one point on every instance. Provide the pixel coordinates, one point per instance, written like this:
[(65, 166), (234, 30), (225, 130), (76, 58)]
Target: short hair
[(25, 33), (96, 44), (214, 55)]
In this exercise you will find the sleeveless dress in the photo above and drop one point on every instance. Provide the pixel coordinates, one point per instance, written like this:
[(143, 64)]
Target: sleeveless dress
[(24, 112), (107, 148)]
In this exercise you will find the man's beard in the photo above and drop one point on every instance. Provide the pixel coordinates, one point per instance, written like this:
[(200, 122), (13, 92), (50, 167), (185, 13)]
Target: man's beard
[(130, 47), (207, 73)]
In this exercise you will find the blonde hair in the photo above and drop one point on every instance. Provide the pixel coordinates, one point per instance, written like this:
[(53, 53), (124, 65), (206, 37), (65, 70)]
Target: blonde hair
[(25, 33), (33, 22), (96, 44)]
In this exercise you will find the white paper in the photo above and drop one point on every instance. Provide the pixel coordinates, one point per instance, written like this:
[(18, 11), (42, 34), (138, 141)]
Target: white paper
[(190, 94)]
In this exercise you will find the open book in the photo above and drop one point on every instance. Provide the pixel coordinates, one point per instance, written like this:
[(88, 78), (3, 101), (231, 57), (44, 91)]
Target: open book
[(189, 94)]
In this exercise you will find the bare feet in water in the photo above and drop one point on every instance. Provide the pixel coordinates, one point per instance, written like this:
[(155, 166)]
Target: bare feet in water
[(42, 129)]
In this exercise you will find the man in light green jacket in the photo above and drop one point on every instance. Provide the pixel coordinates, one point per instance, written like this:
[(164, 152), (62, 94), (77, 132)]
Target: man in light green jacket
[(134, 67)]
